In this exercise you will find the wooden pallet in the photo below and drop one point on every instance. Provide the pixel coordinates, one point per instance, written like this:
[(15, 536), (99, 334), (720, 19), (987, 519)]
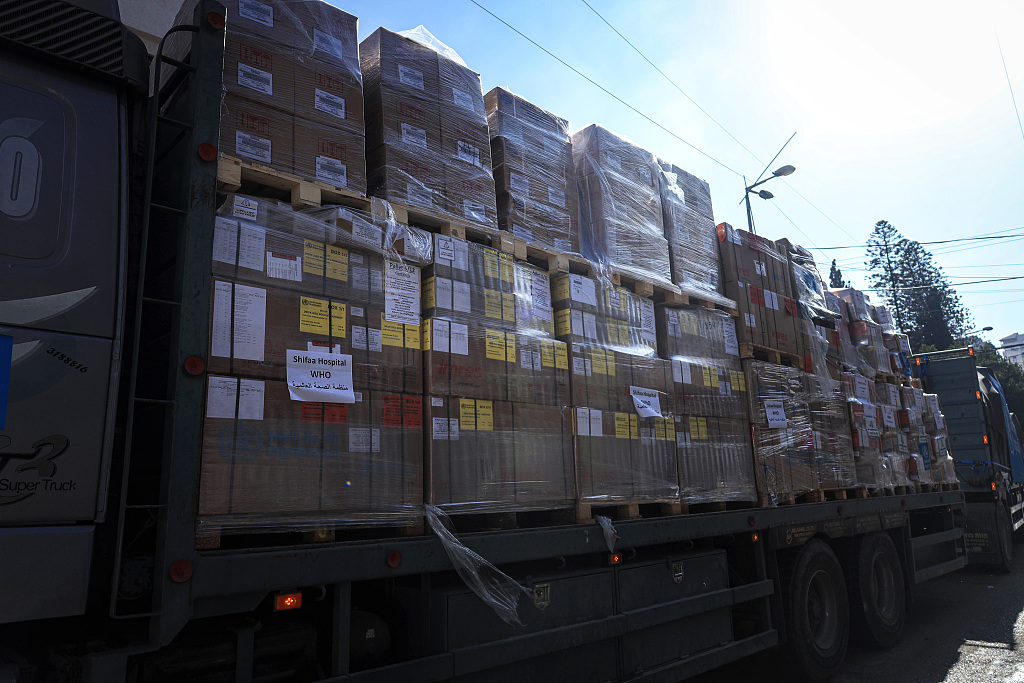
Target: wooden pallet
[(466, 522), (212, 537), (239, 175), (624, 510), (769, 355), (717, 506), (445, 224), (668, 298)]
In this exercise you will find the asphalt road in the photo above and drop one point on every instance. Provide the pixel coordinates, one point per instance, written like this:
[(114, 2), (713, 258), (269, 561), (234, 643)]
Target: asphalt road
[(963, 628)]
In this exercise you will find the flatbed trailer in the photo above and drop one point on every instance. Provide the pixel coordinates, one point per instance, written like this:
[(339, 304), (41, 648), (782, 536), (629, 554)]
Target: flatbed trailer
[(673, 596)]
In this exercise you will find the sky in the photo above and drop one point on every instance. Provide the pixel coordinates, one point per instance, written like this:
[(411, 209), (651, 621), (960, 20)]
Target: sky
[(902, 111)]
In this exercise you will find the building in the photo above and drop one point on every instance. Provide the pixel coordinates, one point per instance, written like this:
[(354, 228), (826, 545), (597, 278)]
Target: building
[(1015, 352)]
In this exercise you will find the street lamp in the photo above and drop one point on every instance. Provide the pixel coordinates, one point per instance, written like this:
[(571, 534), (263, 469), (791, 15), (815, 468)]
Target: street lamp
[(963, 339), (763, 194)]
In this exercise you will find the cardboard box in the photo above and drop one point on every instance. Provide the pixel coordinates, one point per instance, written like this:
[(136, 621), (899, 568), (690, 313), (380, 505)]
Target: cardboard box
[(328, 94), (410, 177), (324, 34), (465, 357), (269, 20), (259, 71), (329, 155), (256, 133), (402, 64)]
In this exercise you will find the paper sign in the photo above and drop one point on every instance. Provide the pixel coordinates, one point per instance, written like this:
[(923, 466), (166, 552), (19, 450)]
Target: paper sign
[(320, 376), (889, 417), (646, 402), (246, 209), (221, 394), (401, 293), (250, 399), (729, 334), (775, 413), (583, 290), (582, 422)]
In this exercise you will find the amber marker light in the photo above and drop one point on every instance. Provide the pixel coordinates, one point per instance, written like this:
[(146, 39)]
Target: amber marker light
[(615, 558), (287, 601)]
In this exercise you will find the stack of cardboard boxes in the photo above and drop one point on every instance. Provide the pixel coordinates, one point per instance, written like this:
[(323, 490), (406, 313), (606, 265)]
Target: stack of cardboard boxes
[(343, 445), (533, 172), (293, 96), (427, 140), (621, 219), (496, 384)]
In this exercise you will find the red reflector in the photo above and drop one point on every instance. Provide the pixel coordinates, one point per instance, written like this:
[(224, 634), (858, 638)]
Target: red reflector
[(394, 559), (216, 20), (181, 571), (286, 601), (195, 365), (207, 152)]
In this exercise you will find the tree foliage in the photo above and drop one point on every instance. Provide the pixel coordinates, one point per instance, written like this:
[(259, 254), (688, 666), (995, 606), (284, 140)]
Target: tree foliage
[(835, 277), (919, 297)]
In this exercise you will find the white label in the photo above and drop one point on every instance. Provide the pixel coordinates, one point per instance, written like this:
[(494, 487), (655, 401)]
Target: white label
[(818, 441), (583, 290), (776, 414), (366, 339), (474, 210), (436, 402), (325, 42), (252, 147), (889, 417), (750, 320), (401, 293), (356, 311), (468, 153), (414, 135), (284, 266), (442, 293), (331, 171), (360, 278), (579, 367), (439, 430), (646, 401), (244, 208), (256, 11), (377, 282), (320, 376), (252, 244), (556, 196), (460, 339), (519, 183), (255, 79), (365, 232), (220, 336), (732, 347), (250, 322), (647, 329), (677, 371), (250, 399), (440, 336), (453, 428), (462, 99), (684, 372), (582, 422), (221, 394), (862, 388), (225, 240), (329, 103), (771, 300), (760, 269), (576, 318), (734, 237), (596, 424), (445, 247), (682, 439), (461, 300), (724, 388), (363, 440), (590, 326), (410, 77), (540, 293)]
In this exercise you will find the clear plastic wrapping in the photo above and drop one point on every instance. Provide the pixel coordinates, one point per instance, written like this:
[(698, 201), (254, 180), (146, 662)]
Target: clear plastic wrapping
[(690, 231), (534, 175), (427, 140), (313, 407), (621, 224)]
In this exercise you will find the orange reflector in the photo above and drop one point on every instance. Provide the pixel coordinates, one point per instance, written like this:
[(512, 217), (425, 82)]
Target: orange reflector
[(756, 537), (970, 350), (985, 438), (286, 601), (978, 394), (993, 486), (918, 360), (615, 558)]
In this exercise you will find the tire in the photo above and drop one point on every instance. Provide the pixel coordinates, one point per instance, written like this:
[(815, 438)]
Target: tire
[(1004, 531), (878, 594), (817, 612)]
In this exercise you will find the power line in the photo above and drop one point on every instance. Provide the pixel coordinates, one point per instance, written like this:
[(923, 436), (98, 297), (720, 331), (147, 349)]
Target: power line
[(958, 239), (1009, 85), (941, 284), (605, 90)]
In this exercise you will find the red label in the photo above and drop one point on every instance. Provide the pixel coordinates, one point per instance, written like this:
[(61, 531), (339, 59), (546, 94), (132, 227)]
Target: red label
[(257, 58), (412, 412), (328, 82), (331, 148), (336, 413), (312, 412), (790, 306), (392, 410), (253, 122)]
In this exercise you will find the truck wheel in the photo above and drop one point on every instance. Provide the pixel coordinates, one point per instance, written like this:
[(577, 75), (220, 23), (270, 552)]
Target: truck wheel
[(1004, 529), (877, 592), (817, 612)]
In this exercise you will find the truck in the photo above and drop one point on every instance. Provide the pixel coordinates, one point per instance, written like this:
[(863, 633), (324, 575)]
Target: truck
[(109, 173), (986, 447)]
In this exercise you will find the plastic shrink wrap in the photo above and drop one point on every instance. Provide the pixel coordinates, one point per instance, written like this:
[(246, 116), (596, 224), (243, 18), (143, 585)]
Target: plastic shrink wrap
[(534, 176), (293, 96), (621, 392), (621, 224), (496, 383), (690, 231), (313, 409), (427, 140)]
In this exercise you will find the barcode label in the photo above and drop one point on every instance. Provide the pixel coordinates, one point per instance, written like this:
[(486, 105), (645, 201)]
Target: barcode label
[(331, 171), (329, 103), (328, 43), (414, 136), (252, 147), (255, 79), (410, 77), (256, 11)]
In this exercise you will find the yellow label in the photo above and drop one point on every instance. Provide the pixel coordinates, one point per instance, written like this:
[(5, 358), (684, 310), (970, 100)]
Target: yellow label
[(612, 330), (337, 263), (506, 265), (702, 425), (510, 347), (694, 429), (508, 307), (598, 362), (492, 303), (491, 268), (621, 425), (659, 429), (547, 353), (339, 319), (706, 371), (467, 414), (610, 363), (495, 344), (425, 334), (429, 294), (563, 322), (634, 426), (714, 377), (484, 416), (312, 257), (412, 336), (314, 316), (670, 429), (742, 380), (561, 355), (391, 333), (560, 287), (624, 333)]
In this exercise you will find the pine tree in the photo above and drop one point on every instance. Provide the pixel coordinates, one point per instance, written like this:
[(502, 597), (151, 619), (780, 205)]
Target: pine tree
[(835, 277), (885, 245)]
